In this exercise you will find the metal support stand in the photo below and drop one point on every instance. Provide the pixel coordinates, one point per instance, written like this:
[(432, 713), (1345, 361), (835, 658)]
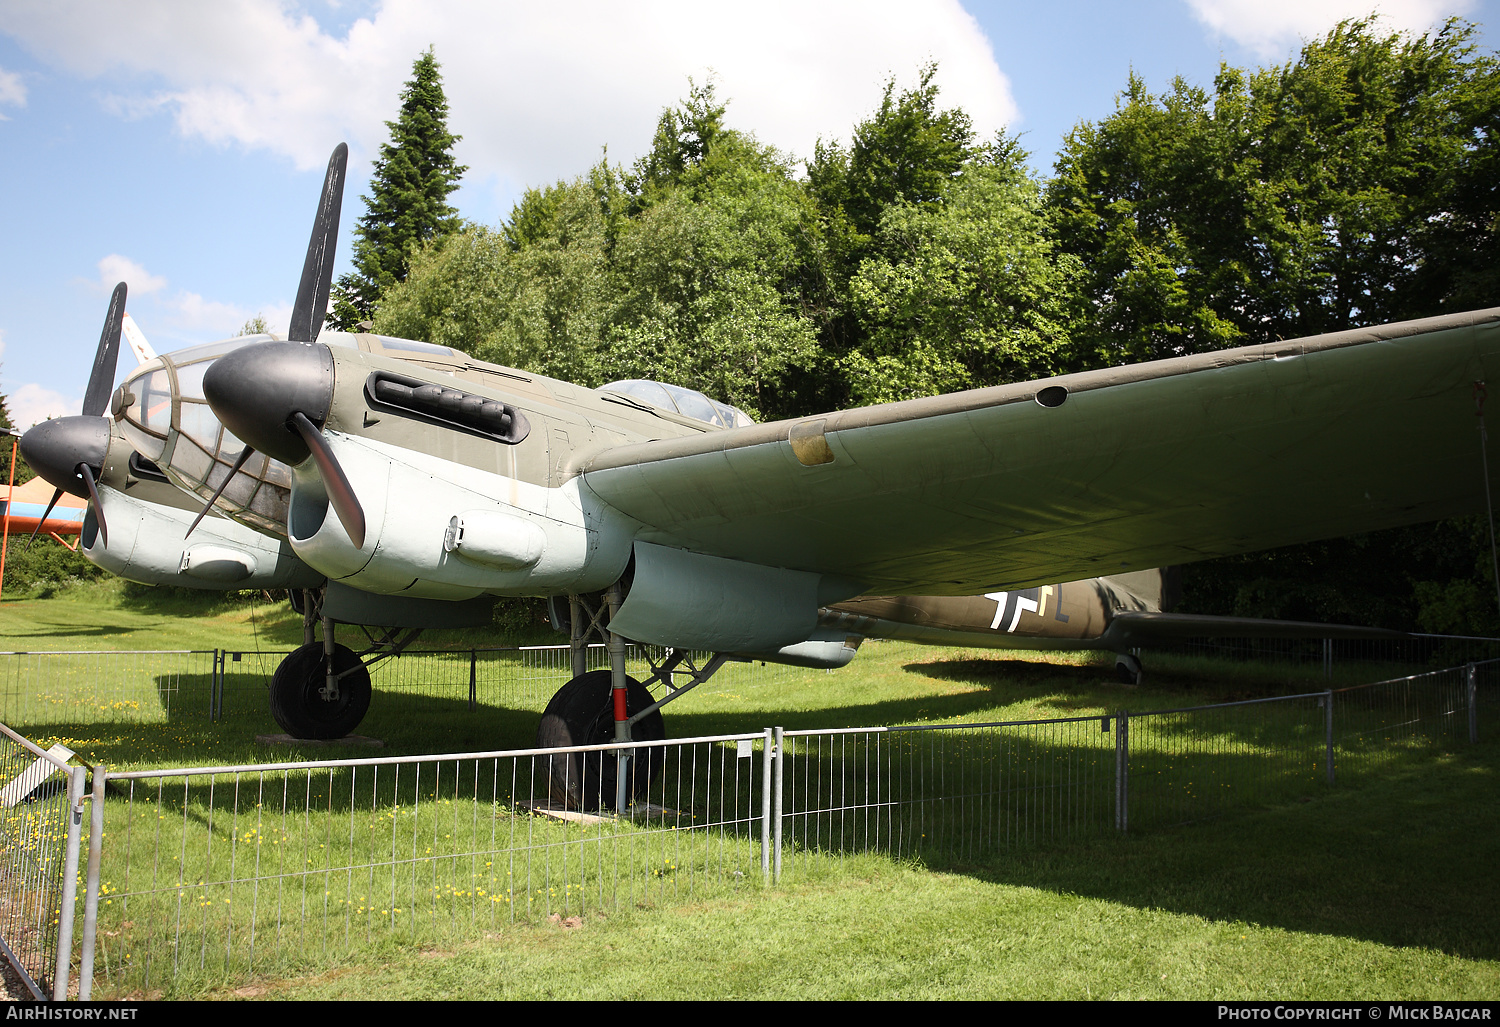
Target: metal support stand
[(1473, 690), (776, 804), (216, 687), (1327, 659), (612, 599), (1122, 771), (69, 885), (473, 681), (1328, 732), (768, 755), (91, 886)]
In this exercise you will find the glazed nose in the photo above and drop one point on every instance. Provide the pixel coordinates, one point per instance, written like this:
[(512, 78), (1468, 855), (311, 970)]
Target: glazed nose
[(55, 448), (255, 390)]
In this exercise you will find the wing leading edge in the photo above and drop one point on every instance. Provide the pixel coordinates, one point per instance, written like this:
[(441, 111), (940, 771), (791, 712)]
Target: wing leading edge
[(1126, 468)]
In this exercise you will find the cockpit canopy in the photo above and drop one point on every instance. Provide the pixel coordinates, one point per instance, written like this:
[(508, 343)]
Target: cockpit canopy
[(681, 401), (164, 415)]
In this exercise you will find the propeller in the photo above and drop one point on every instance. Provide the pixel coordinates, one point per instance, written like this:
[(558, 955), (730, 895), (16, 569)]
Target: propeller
[(276, 396), (69, 452)]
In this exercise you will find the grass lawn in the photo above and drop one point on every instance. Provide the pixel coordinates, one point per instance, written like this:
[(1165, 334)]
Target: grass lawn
[(1385, 891), (1381, 887)]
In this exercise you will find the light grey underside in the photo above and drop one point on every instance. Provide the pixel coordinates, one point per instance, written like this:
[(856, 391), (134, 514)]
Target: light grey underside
[(1147, 465)]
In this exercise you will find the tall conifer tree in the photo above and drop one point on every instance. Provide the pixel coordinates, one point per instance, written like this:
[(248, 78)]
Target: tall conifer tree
[(413, 176)]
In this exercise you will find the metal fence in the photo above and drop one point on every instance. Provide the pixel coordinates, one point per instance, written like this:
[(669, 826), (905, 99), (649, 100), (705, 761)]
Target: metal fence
[(204, 874), (39, 844), (223, 870), (81, 688), (105, 686)]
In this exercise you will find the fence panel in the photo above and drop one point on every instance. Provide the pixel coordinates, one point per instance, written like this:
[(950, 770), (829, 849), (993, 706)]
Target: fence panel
[(1197, 762), (213, 872), (1371, 720), (35, 815), (82, 688), (966, 789), (210, 873)]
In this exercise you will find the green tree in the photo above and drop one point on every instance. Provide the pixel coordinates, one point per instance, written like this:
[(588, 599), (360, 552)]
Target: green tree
[(1351, 186), (23, 472), (692, 268), (254, 326), (537, 294), (1343, 188), (907, 154), (962, 293), (408, 206)]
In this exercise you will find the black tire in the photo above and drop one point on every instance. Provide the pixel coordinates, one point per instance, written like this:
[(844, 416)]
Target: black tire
[(301, 711), (582, 713)]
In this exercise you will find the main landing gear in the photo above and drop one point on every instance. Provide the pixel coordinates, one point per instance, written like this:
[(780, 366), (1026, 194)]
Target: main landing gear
[(1128, 668), (602, 706), (322, 690)]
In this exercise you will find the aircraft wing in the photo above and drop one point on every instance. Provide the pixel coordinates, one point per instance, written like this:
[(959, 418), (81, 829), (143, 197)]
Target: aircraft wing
[(1132, 467), (1138, 628)]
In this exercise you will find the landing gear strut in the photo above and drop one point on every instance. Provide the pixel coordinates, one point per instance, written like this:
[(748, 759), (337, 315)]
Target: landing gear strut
[(582, 713), (601, 706), (302, 701), (322, 690)]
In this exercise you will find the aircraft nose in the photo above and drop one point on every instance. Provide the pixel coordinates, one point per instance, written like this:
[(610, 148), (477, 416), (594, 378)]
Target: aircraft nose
[(55, 448), (254, 391)]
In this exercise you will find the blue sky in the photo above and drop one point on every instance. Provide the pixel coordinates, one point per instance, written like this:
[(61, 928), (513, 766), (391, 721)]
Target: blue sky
[(180, 145)]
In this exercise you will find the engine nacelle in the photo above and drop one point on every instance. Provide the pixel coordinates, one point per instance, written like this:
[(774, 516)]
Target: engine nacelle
[(146, 544), (692, 601), (437, 529)]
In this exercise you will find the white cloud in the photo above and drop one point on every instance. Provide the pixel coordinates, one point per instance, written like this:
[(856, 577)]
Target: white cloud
[(535, 89), (138, 281), (2, 343), (12, 91), (188, 312), (193, 313), (1273, 29), (32, 403)]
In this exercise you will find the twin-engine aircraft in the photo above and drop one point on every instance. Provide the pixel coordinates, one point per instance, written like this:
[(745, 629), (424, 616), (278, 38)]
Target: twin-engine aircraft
[(417, 481)]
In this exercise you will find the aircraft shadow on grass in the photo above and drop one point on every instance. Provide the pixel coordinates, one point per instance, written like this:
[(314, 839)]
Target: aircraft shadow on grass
[(1000, 806)]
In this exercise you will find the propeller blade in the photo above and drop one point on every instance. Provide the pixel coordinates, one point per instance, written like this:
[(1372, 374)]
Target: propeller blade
[(238, 463), (317, 269), (45, 514), (102, 378), (88, 479), (340, 492)]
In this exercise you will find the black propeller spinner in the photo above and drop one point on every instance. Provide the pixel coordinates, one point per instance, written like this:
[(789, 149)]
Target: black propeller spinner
[(69, 452), (276, 396)]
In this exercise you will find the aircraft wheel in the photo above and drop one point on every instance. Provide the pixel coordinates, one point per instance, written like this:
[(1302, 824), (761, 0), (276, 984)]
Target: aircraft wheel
[(582, 713), (301, 711), (1127, 669)]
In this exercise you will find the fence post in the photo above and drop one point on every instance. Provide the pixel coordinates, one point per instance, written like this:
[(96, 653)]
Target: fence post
[(767, 754), (1122, 770), (776, 791), (69, 885), (91, 887), (1328, 733), (1473, 679), (1327, 659), (473, 690)]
